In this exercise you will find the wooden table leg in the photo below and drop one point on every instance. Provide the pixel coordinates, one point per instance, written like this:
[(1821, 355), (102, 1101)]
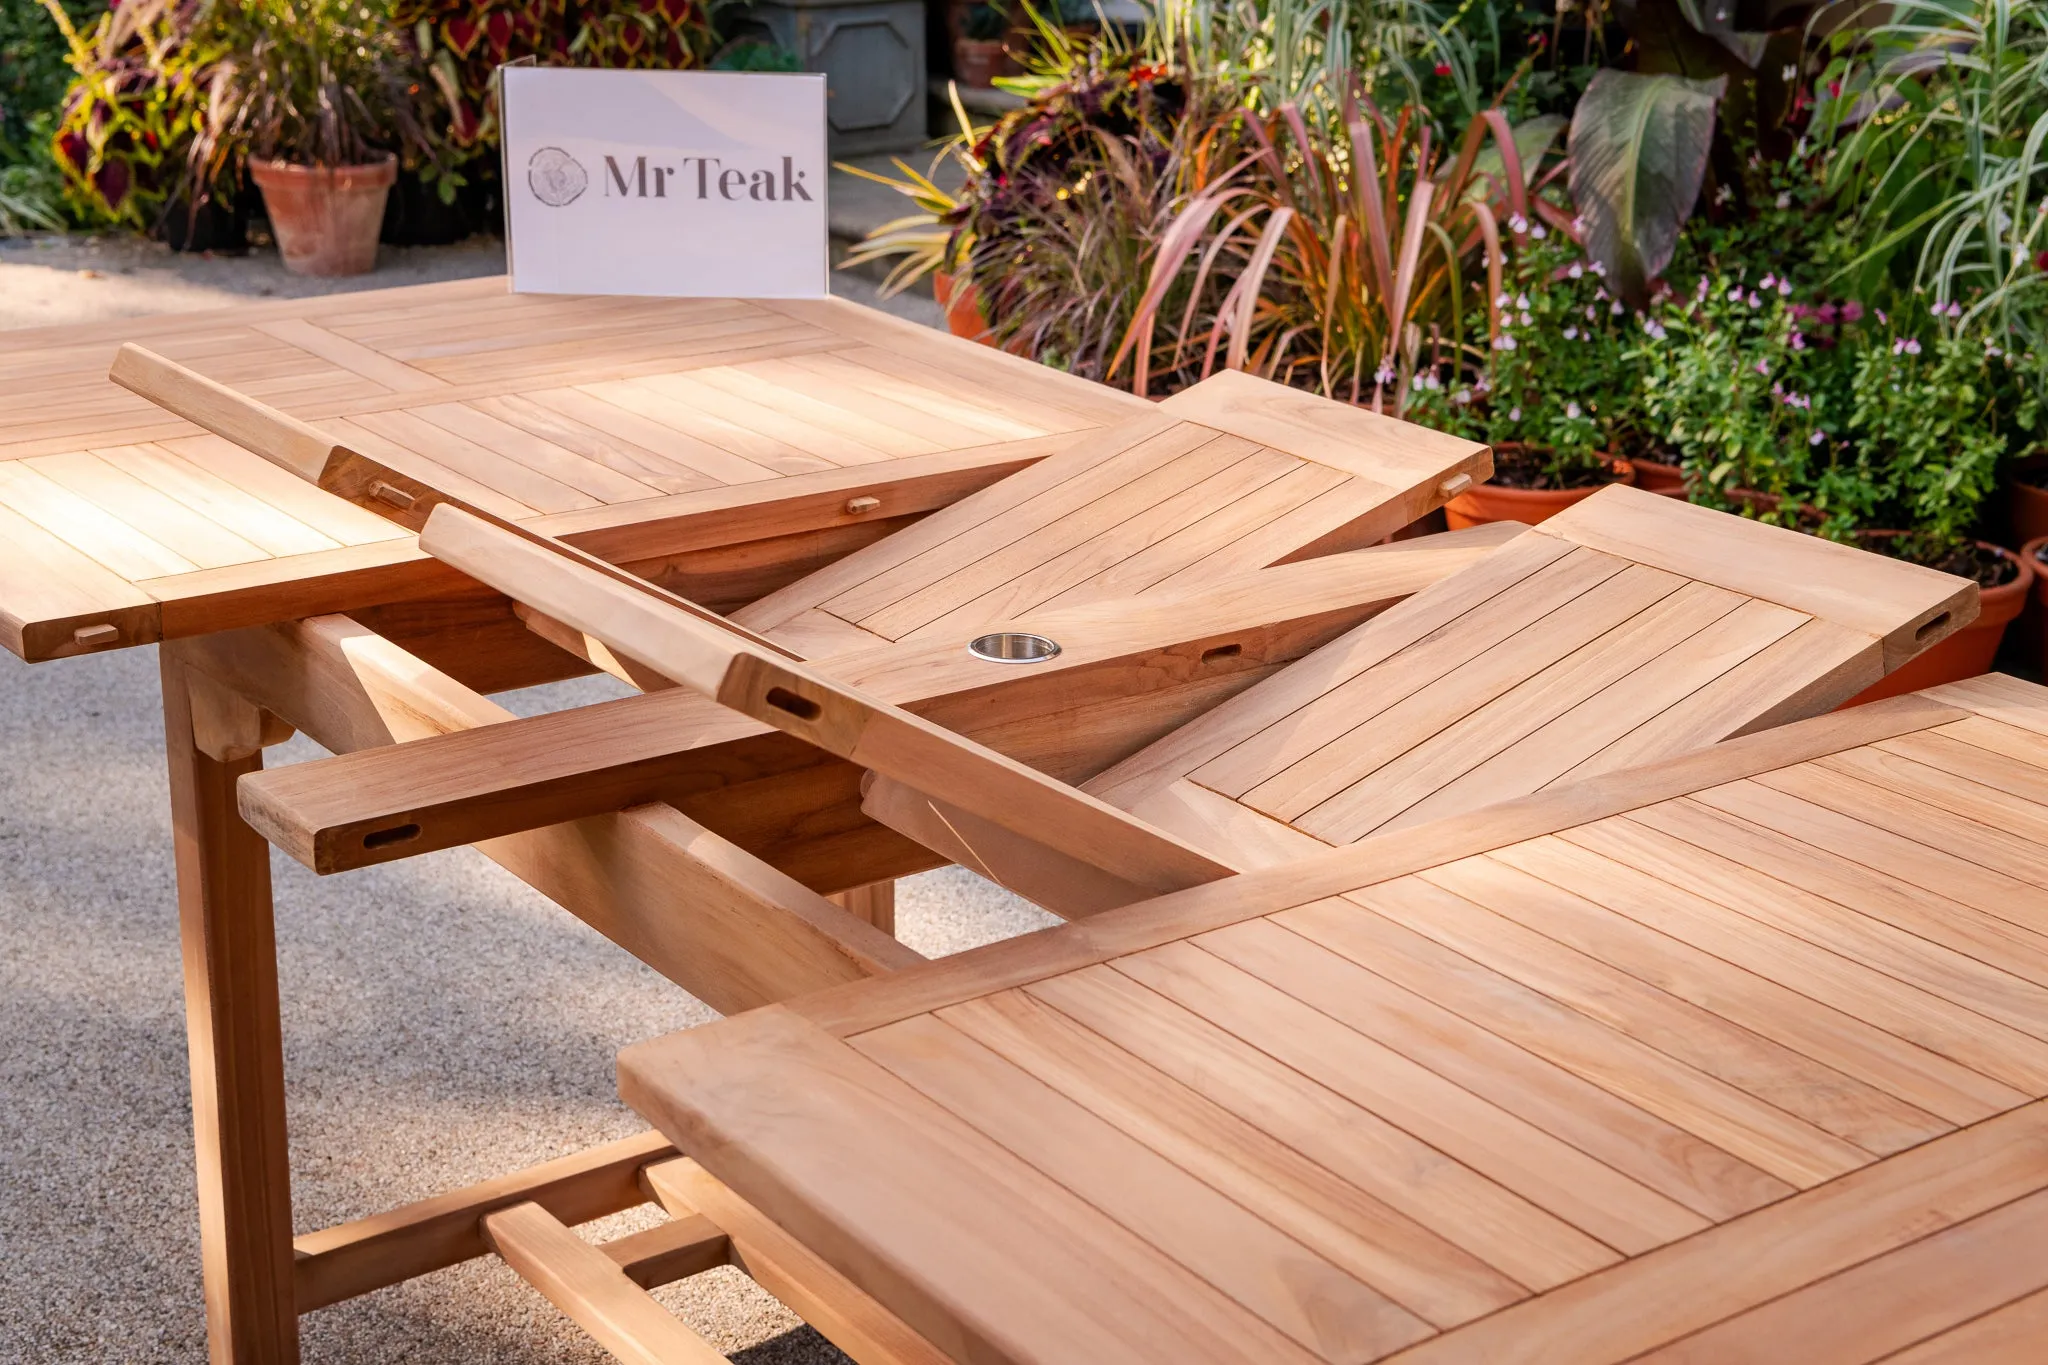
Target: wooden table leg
[(235, 1040), (875, 903)]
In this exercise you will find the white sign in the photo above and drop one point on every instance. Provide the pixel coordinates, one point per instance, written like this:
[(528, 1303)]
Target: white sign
[(682, 183)]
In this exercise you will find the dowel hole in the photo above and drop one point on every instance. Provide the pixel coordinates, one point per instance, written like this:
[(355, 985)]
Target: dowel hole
[(1221, 652), (782, 699), (384, 838), (1928, 627)]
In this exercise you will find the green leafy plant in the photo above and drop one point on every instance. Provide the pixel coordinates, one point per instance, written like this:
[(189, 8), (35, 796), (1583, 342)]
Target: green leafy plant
[(1641, 136), (313, 82), (1560, 387), (1938, 117)]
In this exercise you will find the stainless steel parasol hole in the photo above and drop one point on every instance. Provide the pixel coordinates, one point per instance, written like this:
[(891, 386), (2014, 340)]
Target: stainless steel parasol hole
[(1013, 647)]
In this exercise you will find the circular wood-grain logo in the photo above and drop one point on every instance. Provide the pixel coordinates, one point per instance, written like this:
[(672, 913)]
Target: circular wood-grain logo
[(555, 177)]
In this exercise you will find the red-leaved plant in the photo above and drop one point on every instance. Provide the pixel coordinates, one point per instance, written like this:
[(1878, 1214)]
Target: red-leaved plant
[(1345, 247)]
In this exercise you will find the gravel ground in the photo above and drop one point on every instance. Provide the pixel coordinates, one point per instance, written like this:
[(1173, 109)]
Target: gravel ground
[(443, 1023)]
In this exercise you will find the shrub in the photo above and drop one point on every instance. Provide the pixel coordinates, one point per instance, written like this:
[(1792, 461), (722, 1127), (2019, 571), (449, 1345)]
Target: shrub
[(138, 98), (464, 42)]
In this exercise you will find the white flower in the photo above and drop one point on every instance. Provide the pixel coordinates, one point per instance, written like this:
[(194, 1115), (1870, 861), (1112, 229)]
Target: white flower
[(1482, 385), (1521, 300), (1571, 410), (1768, 281), (1500, 300), (1724, 194), (1754, 301), (1735, 295), (1599, 269), (1517, 223), (1503, 343), (1790, 73), (1593, 313), (1385, 375), (1462, 397), (1430, 381), (1615, 308), (1785, 199), (1525, 319), (1577, 271), (1571, 334), (1784, 289), (1655, 329), (1816, 438), (1579, 224), (1538, 232), (1514, 414)]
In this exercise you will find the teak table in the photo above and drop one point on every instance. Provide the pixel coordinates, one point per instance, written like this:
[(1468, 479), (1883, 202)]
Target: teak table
[(1513, 1045)]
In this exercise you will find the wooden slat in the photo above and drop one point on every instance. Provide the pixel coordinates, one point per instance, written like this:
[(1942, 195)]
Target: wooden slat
[(356, 1257), (2010, 1335), (1077, 1286), (1244, 1258), (1656, 1153), (1450, 1199), (206, 543), (1904, 605), (1794, 1151), (590, 1287), (1890, 1301), (1348, 1226), (1616, 1316)]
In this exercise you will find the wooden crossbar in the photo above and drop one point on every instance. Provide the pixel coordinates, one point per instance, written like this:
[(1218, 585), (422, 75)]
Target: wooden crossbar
[(821, 710)]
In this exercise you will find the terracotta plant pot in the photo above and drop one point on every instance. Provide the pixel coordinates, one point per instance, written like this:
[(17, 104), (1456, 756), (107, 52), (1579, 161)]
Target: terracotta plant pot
[(1496, 502), (977, 61), (963, 309), (326, 218), (2026, 504), (1654, 476), (1970, 650), (2033, 622)]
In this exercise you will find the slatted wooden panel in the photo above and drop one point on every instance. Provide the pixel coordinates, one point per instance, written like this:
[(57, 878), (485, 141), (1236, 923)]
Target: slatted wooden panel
[(528, 405), (1740, 1057), (1628, 630), (1229, 477)]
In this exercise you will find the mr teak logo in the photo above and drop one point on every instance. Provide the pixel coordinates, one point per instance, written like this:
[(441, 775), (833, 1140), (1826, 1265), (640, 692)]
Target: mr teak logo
[(638, 179)]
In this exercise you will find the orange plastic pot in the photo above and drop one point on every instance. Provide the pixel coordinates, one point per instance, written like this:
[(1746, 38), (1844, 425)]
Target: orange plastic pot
[(963, 309), (1487, 502), (1970, 650), (325, 218)]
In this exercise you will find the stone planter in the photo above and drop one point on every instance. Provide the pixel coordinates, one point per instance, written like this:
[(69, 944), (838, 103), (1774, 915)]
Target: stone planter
[(872, 54)]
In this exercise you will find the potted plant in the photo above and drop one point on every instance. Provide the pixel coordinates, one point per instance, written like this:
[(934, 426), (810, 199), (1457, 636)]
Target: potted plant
[(1556, 397), (318, 93)]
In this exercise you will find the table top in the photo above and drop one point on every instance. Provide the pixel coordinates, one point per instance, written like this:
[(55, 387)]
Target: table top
[(1736, 1056), (577, 415), (1628, 628)]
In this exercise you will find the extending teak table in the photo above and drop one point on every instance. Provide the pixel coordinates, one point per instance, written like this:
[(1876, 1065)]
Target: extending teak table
[(1445, 981)]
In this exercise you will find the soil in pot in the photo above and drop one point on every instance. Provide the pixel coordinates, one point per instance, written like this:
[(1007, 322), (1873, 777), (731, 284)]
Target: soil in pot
[(325, 218), (2004, 580), (1522, 489)]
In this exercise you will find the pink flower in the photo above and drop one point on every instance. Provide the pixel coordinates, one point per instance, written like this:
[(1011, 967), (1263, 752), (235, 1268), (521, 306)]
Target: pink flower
[(1763, 367), (1798, 341), (1852, 311)]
